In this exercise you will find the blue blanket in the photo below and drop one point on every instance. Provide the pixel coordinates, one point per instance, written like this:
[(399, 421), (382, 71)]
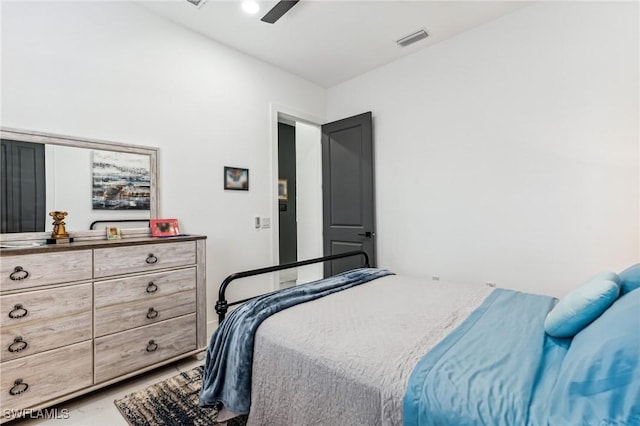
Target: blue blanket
[(497, 368), (227, 374)]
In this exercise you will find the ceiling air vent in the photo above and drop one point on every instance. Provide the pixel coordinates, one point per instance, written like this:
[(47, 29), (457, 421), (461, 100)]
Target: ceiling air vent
[(197, 3), (412, 38)]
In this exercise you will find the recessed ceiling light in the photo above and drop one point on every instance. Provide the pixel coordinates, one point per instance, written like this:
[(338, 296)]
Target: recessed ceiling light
[(250, 6)]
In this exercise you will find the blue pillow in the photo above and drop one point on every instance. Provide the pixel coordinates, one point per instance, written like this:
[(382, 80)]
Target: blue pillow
[(599, 380), (630, 278), (582, 305)]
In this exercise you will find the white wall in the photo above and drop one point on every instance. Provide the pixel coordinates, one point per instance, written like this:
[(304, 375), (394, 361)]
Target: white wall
[(113, 71), (507, 154), (510, 153)]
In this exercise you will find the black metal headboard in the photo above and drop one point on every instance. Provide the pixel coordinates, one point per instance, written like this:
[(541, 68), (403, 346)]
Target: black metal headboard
[(95, 222), (222, 306)]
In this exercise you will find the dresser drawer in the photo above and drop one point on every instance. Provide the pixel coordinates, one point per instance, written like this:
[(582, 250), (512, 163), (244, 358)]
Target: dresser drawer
[(143, 287), (115, 318), (123, 260), (45, 304), (128, 351), (32, 270), (45, 376), (30, 338)]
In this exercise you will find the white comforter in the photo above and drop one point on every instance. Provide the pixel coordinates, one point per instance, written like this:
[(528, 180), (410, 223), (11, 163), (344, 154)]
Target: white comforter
[(345, 359)]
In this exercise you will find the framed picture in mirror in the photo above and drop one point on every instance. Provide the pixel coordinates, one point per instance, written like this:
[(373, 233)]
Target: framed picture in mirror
[(121, 181)]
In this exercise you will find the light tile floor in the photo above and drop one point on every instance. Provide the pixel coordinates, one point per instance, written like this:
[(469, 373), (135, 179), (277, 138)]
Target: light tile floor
[(97, 408), (288, 278)]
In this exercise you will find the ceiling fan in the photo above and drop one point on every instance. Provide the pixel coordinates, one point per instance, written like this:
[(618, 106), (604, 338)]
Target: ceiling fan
[(278, 10)]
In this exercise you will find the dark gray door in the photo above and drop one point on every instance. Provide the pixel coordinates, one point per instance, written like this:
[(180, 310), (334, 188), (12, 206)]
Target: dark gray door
[(348, 191), (23, 187)]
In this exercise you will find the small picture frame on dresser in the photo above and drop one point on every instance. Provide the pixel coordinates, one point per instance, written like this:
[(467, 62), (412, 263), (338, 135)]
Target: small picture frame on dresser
[(164, 227), (113, 233)]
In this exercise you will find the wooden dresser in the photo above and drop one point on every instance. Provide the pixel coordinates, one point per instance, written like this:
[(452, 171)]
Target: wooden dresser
[(80, 316)]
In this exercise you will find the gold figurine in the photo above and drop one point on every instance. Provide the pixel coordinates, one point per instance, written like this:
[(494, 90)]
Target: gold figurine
[(59, 231)]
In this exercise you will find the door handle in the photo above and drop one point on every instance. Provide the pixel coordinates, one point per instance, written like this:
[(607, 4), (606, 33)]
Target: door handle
[(368, 234)]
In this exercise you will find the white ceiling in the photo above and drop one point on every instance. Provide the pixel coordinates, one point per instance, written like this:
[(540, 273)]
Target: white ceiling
[(329, 42)]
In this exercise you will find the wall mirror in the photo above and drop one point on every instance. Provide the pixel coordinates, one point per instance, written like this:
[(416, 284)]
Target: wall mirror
[(92, 180)]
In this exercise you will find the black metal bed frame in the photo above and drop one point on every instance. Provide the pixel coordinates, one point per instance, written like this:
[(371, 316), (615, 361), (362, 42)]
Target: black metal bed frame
[(222, 306), (95, 222)]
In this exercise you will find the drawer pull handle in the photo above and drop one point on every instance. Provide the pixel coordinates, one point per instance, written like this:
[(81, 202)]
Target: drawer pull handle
[(18, 312), (18, 387), (152, 313), (152, 287), (151, 259), (152, 346), (18, 345), (18, 274)]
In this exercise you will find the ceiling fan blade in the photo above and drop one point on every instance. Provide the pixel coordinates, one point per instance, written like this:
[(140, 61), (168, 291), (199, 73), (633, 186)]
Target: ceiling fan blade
[(278, 10)]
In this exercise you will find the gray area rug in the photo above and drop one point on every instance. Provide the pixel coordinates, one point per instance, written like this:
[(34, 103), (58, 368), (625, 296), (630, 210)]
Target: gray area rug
[(172, 402)]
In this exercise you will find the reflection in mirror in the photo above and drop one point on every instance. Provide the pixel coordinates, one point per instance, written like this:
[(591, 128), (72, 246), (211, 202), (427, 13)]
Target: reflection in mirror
[(96, 185), (120, 181), (91, 180)]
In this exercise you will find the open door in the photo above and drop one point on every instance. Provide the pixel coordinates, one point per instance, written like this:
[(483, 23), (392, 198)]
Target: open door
[(348, 191)]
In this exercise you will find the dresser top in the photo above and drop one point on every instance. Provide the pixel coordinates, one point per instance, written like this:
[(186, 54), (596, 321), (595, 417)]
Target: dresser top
[(17, 249)]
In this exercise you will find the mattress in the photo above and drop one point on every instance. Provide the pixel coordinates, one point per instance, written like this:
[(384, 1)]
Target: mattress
[(345, 359)]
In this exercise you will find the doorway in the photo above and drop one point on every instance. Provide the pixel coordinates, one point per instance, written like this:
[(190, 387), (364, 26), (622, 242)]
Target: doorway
[(299, 203), (287, 201), (336, 156)]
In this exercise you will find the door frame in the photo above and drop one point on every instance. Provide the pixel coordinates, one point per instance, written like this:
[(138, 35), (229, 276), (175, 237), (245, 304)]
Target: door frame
[(280, 111)]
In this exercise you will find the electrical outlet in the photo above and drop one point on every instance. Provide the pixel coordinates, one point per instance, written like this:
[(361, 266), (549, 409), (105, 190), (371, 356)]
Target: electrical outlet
[(265, 222)]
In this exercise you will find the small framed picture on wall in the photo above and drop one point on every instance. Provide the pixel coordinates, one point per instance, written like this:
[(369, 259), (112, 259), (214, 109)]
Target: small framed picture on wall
[(236, 178)]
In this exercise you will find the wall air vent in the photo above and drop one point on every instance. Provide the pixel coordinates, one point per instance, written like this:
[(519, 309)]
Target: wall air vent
[(412, 38), (197, 3)]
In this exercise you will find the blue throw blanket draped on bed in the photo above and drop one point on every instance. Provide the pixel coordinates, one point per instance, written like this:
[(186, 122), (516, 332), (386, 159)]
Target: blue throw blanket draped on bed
[(227, 374), (497, 368)]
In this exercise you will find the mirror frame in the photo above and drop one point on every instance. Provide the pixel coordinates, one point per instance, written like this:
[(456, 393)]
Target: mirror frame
[(73, 141)]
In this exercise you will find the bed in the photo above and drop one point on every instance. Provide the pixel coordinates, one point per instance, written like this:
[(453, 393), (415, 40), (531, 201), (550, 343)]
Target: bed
[(368, 347)]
